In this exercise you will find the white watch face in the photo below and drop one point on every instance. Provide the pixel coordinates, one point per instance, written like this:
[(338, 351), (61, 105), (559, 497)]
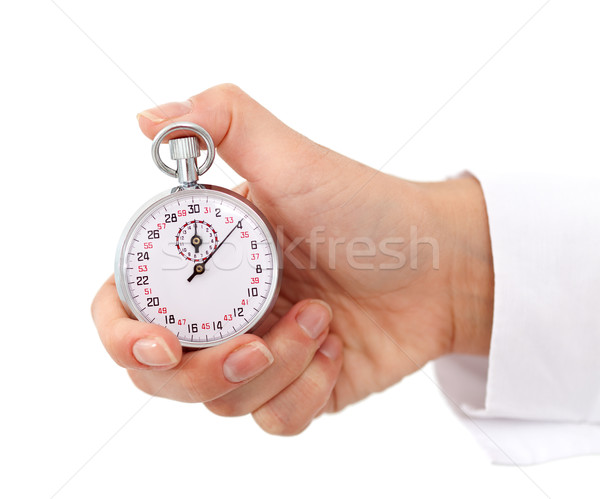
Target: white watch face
[(201, 263)]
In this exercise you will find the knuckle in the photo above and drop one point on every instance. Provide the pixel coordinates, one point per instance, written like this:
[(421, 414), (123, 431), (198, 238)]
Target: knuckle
[(225, 408), (116, 342), (191, 387), (93, 305), (229, 92), (109, 340), (229, 89), (292, 357), (280, 423), (316, 389), (139, 381)]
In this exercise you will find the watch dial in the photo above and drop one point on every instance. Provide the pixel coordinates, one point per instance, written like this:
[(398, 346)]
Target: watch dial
[(202, 263)]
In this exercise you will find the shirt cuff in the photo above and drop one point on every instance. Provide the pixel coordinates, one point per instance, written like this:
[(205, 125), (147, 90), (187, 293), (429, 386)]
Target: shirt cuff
[(510, 441), (538, 398)]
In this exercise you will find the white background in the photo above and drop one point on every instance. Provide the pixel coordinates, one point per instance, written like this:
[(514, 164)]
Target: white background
[(359, 77)]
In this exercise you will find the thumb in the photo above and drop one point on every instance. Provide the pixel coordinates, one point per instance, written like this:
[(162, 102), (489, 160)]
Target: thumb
[(249, 138)]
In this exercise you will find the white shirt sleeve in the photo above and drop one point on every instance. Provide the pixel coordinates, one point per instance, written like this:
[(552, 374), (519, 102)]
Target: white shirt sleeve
[(538, 398)]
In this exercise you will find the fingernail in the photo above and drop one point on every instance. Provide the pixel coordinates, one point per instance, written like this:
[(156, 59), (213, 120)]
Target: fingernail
[(153, 352), (314, 318), (169, 111), (331, 347), (246, 362)]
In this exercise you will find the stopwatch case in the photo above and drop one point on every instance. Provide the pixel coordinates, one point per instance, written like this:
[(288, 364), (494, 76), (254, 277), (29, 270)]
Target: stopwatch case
[(164, 197)]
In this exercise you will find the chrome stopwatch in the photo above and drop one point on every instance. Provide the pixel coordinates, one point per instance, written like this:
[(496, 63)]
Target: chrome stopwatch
[(199, 260)]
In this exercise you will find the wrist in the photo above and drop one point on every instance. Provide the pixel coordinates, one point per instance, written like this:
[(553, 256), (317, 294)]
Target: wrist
[(462, 210)]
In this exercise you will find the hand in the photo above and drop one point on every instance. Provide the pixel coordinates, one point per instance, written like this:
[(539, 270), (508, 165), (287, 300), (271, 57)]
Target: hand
[(198, 269), (405, 268), (196, 241)]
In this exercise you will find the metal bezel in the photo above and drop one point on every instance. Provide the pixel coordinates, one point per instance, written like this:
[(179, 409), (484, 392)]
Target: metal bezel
[(132, 225)]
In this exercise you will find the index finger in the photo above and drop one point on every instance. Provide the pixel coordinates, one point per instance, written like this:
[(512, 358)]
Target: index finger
[(131, 343)]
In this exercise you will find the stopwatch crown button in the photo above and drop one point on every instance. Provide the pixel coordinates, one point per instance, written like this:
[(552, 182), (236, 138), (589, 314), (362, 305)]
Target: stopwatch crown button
[(184, 148)]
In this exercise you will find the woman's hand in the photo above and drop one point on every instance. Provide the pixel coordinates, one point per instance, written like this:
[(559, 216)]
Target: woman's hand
[(380, 276)]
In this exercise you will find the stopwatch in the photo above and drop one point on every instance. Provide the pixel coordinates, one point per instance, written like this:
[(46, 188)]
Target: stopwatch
[(200, 260)]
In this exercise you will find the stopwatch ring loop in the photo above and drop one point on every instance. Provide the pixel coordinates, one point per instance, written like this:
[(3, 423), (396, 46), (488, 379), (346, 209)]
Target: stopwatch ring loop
[(192, 127)]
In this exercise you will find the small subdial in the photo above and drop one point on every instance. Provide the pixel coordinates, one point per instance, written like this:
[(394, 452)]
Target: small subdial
[(196, 240)]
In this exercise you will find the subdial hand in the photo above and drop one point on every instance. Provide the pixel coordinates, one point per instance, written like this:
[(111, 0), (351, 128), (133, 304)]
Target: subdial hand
[(196, 241)]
